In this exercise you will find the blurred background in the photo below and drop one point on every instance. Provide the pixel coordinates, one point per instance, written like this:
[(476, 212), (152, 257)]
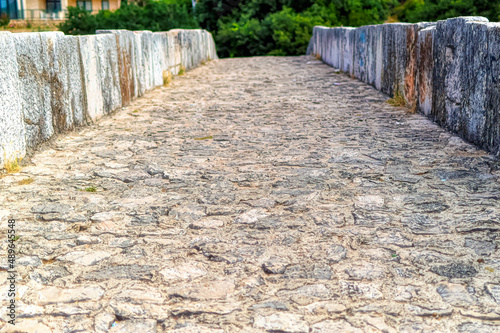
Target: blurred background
[(240, 27)]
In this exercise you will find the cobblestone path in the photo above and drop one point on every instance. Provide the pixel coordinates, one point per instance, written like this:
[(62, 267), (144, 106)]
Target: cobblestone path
[(252, 195)]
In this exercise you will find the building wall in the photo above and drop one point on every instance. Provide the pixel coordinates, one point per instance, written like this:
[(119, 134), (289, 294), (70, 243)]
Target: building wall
[(97, 4)]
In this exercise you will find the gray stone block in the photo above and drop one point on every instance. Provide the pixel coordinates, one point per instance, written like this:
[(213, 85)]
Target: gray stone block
[(449, 86), (157, 56), (34, 87), (91, 77), (126, 63), (107, 51), (491, 137), (145, 66), (12, 131), (175, 50), (139, 67), (66, 87), (425, 67), (348, 56), (360, 53)]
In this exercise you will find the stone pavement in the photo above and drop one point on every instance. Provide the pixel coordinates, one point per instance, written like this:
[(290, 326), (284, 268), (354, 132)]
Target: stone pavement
[(252, 195)]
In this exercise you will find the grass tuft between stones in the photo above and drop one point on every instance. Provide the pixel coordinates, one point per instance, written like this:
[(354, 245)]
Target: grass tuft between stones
[(182, 70), (13, 165), (167, 78), (90, 189), (26, 181), (205, 138), (397, 100)]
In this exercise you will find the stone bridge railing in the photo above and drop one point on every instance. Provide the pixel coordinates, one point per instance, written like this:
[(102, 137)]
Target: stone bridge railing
[(449, 70), (50, 82)]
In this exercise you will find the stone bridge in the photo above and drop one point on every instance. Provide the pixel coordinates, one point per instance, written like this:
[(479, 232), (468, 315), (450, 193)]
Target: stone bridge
[(265, 194)]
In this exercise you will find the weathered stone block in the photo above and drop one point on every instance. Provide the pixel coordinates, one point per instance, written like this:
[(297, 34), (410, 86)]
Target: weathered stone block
[(175, 57), (157, 56), (66, 88), (425, 67), (348, 56), (361, 49), (12, 131), (34, 86), (146, 59), (475, 76), (139, 67), (449, 85), (91, 77), (125, 41), (491, 137), (109, 72)]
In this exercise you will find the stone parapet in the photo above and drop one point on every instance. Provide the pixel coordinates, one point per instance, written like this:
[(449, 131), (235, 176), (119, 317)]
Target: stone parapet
[(51, 83), (446, 70)]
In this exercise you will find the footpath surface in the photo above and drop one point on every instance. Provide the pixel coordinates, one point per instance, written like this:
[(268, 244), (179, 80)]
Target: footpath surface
[(253, 195)]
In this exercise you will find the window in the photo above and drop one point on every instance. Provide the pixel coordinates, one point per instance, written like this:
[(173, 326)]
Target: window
[(9, 7), (105, 4), (53, 6), (87, 5)]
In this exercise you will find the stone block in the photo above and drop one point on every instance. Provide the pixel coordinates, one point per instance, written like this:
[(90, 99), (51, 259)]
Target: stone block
[(12, 130), (375, 73), (34, 88), (91, 76), (491, 135), (330, 47), (163, 50), (65, 79), (449, 84), (139, 66), (425, 67), (157, 59), (75, 87), (348, 51), (146, 59), (126, 63), (107, 51), (175, 56), (360, 53)]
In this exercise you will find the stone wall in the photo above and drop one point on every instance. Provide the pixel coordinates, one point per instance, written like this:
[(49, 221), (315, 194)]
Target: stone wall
[(51, 83), (449, 70)]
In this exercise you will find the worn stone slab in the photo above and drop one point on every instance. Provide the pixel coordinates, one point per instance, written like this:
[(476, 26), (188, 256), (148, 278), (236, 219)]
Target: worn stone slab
[(146, 49), (125, 43), (449, 86), (12, 128), (67, 92), (107, 51), (139, 66), (33, 61), (157, 59), (92, 77), (425, 68), (491, 136)]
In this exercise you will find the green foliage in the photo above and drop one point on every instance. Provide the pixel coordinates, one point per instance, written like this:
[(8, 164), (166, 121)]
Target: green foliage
[(152, 15), (281, 27), (4, 20), (433, 10)]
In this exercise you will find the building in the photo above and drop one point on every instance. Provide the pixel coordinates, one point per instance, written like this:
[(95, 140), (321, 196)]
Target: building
[(51, 9)]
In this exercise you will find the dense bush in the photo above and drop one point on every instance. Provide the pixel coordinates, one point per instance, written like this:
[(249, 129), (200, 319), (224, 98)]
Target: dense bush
[(145, 15), (4, 20), (269, 27), (433, 10), (281, 27)]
